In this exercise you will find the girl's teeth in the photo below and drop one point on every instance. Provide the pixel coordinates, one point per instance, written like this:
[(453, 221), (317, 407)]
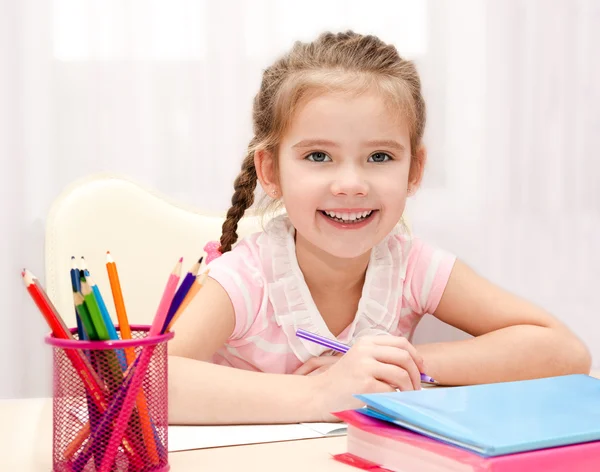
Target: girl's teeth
[(348, 216)]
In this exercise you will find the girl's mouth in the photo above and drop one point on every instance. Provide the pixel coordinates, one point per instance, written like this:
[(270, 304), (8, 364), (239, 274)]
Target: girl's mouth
[(348, 218)]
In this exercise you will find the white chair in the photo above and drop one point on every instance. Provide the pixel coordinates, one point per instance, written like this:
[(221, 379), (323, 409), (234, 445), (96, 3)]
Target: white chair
[(145, 232)]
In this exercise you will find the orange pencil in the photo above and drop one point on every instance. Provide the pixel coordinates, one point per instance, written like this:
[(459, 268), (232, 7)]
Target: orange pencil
[(194, 289), (115, 286)]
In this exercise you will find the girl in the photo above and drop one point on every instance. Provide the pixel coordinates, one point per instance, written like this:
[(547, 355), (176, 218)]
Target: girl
[(338, 127)]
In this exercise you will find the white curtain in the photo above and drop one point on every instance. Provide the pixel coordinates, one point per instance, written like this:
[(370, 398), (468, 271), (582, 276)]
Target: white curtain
[(161, 91)]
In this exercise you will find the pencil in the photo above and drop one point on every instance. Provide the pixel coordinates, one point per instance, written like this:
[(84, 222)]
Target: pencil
[(108, 366), (112, 333), (115, 286), (166, 299), (75, 285), (194, 289), (147, 427), (92, 305), (110, 327), (84, 314), (80, 363), (181, 293), (341, 348), (93, 412), (141, 363)]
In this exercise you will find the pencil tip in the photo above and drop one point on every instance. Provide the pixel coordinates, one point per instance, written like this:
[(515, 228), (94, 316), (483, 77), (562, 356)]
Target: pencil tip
[(181, 259), (200, 260)]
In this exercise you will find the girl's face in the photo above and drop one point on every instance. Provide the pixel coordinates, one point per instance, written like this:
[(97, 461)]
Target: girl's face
[(343, 172)]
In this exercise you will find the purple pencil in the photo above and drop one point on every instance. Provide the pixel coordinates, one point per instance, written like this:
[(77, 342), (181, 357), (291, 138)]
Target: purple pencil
[(182, 291), (341, 347)]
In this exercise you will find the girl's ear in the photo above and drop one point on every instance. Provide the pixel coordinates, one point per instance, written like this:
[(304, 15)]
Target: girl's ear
[(264, 162), (417, 167)]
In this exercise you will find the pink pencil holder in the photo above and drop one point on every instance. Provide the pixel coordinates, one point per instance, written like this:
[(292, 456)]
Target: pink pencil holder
[(94, 389)]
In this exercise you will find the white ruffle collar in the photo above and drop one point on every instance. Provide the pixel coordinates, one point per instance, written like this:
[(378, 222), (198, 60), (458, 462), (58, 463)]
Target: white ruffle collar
[(294, 306)]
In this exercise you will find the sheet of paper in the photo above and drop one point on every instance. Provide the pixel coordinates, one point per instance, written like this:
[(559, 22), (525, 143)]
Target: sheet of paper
[(328, 429), (182, 438)]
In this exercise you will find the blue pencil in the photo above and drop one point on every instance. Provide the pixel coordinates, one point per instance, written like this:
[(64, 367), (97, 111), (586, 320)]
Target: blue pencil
[(110, 327), (81, 334)]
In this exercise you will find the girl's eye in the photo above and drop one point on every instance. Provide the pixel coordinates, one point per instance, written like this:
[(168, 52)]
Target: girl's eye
[(380, 157), (318, 157)]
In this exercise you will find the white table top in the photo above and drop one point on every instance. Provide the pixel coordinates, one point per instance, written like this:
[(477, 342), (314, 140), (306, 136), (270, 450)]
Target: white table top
[(26, 446)]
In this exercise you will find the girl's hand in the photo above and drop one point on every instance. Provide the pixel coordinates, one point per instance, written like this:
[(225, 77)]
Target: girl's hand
[(317, 365), (374, 364)]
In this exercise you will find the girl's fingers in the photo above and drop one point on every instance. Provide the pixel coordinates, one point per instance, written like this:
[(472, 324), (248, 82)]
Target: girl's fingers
[(401, 343), (394, 377), (399, 358)]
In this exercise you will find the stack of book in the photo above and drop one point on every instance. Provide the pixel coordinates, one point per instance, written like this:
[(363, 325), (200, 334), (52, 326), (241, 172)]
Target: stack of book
[(550, 425)]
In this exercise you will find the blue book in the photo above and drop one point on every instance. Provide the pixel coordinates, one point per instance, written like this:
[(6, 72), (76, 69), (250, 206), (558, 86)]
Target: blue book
[(500, 418)]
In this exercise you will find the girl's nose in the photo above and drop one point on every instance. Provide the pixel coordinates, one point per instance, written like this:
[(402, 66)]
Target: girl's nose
[(349, 181)]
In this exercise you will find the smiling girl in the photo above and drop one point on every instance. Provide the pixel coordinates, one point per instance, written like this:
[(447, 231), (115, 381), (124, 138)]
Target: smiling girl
[(338, 127)]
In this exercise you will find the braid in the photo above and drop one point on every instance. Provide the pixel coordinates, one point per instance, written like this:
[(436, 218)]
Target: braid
[(334, 61), (242, 199)]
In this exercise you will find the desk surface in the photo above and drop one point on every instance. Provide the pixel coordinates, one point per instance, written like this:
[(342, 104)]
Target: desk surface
[(26, 446)]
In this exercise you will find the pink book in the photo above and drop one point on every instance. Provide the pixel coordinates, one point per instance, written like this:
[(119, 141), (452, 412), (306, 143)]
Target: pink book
[(378, 446)]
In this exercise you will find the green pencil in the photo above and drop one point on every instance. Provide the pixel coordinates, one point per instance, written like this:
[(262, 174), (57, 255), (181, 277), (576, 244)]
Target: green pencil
[(94, 309), (84, 314)]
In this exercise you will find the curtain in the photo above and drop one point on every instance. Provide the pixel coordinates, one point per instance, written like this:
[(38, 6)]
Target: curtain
[(161, 91)]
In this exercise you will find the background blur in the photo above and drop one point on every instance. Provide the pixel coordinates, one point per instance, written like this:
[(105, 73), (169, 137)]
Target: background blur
[(161, 91)]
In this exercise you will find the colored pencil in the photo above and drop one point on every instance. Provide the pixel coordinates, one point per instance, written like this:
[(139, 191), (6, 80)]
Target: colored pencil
[(110, 327), (75, 286), (90, 307), (195, 288), (94, 308), (80, 363), (84, 314), (112, 332), (115, 286), (137, 375), (147, 427), (181, 293), (93, 412), (341, 348), (166, 299)]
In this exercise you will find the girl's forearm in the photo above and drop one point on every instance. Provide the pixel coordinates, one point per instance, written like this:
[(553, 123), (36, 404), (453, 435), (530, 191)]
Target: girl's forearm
[(204, 393), (512, 353)]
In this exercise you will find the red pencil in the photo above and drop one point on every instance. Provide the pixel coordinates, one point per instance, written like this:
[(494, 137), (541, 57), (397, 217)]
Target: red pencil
[(81, 364)]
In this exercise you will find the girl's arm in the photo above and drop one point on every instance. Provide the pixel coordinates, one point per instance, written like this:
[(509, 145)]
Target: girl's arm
[(204, 393), (514, 339)]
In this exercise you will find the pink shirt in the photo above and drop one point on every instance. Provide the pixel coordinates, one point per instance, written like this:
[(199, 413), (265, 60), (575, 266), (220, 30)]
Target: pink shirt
[(405, 279)]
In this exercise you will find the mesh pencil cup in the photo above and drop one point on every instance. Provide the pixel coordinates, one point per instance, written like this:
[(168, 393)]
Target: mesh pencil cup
[(110, 405)]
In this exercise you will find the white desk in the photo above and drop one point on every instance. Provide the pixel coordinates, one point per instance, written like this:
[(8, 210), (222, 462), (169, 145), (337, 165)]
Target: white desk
[(26, 446)]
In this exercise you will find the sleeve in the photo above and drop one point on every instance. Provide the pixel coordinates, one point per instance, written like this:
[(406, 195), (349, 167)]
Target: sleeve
[(238, 272), (427, 272)]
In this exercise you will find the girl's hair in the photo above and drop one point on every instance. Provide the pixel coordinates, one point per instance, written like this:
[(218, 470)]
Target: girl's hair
[(348, 62)]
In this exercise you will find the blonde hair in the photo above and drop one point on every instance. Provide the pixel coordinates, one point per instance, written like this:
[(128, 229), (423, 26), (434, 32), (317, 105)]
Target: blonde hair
[(345, 61)]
